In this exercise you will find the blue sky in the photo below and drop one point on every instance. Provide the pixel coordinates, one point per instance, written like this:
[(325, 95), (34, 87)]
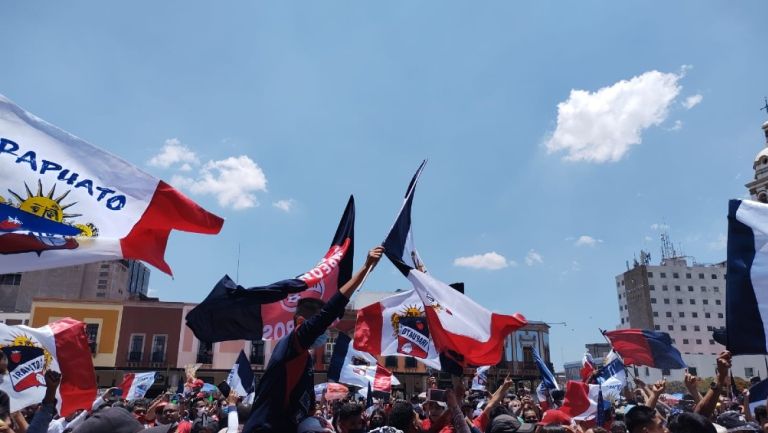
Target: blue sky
[(558, 133)]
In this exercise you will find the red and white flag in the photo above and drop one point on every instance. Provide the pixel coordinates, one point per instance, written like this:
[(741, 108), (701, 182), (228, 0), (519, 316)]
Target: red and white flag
[(461, 328), (66, 202), (61, 346), (396, 326), (587, 367), (580, 402), (135, 385)]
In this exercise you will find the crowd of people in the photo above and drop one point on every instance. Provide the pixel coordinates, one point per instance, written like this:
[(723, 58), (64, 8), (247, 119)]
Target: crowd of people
[(284, 401)]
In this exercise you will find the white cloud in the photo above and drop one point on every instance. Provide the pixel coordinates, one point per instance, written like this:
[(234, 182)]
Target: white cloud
[(575, 266), (659, 227), (692, 101), (173, 152), (647, 239), (678, 125), (720, 244), (492, 261), (601, 126), (588, 241), (285, 205), (233, 181), (533, 258)]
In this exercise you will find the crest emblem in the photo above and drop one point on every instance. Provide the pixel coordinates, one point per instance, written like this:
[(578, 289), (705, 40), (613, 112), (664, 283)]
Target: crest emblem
[(27, 363), (411, 330), (39, 222)]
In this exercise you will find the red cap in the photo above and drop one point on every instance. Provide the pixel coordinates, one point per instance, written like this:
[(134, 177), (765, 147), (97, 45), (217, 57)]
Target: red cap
[(554, 416), (198, 383)]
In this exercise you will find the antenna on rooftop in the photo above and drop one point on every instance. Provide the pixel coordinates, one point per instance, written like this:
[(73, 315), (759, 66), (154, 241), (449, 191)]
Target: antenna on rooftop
[(668, 250)]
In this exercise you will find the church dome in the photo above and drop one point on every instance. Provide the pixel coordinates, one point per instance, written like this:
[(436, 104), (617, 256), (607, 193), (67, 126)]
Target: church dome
[(761, 157)]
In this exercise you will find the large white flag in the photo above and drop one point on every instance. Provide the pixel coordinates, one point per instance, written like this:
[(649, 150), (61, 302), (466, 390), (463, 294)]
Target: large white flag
[(61, 346), (136, 385), (396, 326), (65, 202)]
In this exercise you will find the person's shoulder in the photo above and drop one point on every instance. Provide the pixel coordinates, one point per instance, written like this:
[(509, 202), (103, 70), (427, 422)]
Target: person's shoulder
[(385, 429)]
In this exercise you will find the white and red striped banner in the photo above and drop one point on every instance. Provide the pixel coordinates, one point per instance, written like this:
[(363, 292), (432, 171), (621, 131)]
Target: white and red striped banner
[(60, 346), (67, 202), (136, 385)]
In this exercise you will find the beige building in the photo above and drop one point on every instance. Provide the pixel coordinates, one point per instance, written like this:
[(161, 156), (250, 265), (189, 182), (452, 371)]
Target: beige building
[(113, 280)]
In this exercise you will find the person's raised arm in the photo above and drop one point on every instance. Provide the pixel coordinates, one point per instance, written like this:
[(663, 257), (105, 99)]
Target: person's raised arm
[(315, 326), (691, 384), (656, 390), (707, 404)]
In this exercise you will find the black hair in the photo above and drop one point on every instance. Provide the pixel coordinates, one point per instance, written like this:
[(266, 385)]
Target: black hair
[(308, 307), (496, 411), (349, 410), (639, 417), (761, 413), (618, 427), (690, 423), (599, 429), (401, 416), (5, 406)]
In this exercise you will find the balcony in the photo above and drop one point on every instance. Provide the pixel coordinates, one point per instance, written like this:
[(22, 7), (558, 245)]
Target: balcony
[(134, 356), (157, 357)]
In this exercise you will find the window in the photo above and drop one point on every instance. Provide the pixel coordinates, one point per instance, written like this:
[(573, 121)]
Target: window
[(749, 371), (655, 314), (665, 371), (685, 341), (670, 328), (688, 275), (719, 315), (102, 281), (104, 266), (257, 352), (683, 328), (697, 328), (92, 331), (675, 275), (622, 282), (714, 276), (711, 341), (681, 314), (330, 344), (653, 301), (617, 284), (710, 328), (695, 315), (136, 348), (716, 289), (701, 276), (707, 315), (663, 275), (158, 348), (390, 361), (717, 302), (103, 274), (690, 288), (10, 280), (666, 300), (698, 341), (410, 362), (705, 301), (205, 353), (622, 308), (677, 288), (703, 289), (101, 295), (650, 274), (693, 371), (679, 301), (669, 314), (664, 287), (102, 287), (622, 320), (646, 371), (692, 301), (619, 296), (657, 327), (652, 287)]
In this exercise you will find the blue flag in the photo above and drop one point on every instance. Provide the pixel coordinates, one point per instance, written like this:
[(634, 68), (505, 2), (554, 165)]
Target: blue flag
[(241, 376), (547, 378)]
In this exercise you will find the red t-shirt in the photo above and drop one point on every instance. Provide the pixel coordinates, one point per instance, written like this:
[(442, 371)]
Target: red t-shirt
[(427, 424)]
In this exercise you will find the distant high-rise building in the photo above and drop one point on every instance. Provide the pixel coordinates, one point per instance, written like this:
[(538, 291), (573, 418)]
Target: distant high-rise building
[(112, 280)]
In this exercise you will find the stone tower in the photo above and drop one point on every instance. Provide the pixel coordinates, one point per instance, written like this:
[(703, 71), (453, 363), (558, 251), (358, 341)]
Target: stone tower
[(758, 187)]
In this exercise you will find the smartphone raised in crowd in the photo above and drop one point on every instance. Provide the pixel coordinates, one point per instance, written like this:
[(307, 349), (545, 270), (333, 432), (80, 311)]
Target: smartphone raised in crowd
[(435, 394)]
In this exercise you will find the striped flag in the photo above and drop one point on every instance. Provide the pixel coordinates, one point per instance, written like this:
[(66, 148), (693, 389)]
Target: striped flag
[(746, 293), (353, 367), (136, 385), (69, 202), (241, 376)]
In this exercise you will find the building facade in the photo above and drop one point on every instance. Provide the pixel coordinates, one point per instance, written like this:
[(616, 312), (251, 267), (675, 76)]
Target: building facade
[(112, 280), (687, 301)]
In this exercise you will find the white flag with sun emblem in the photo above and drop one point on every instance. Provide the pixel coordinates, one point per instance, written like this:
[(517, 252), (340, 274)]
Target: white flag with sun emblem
[(61, 346), (64, 201)]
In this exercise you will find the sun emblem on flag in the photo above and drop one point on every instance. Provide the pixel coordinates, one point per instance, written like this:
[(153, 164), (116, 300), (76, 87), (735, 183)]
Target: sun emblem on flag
[(407, 311), (27, 362), (40, 222)]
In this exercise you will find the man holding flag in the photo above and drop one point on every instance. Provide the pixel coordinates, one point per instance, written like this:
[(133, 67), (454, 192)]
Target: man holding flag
[(285, 394)]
